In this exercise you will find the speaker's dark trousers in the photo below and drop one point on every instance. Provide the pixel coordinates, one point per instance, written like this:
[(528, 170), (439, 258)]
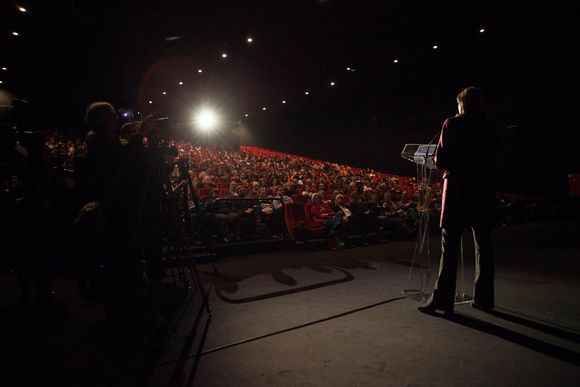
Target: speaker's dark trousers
[(444, 290)]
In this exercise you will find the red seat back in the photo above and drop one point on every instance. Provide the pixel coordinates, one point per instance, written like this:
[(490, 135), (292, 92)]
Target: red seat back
[(307, 214), (294, 217)]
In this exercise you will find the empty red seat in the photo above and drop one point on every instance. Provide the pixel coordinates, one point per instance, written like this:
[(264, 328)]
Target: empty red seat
[(294, 217)]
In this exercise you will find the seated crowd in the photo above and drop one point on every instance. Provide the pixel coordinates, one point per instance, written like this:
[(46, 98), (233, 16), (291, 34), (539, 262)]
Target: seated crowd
[(242, 194)]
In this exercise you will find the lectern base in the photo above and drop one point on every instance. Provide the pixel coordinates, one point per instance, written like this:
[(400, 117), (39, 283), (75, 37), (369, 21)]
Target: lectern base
[(421, 296)]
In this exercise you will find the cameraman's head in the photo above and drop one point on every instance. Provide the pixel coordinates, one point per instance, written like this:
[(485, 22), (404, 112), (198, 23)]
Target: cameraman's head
[(102, 119)]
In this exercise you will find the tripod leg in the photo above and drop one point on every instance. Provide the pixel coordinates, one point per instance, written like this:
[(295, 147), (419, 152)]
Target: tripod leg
[(214, 263)]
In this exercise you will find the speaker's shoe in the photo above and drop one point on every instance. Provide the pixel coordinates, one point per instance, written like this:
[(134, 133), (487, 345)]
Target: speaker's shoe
[(482, 307)]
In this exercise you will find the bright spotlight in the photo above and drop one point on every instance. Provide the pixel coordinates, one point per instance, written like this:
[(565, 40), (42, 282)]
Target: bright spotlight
[(200, 71), (22, 9), (396, 61), (4, 68), (250, 39), (264, 108), (15, 33), (150, 101), (435, 47), (283, 101), (180, 83), (332, 83), (164, 93), (206, 120), (306, 93), (224, 55), (481, 31)]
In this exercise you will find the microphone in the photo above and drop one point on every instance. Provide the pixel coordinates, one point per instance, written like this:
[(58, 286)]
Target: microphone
[(435, 136)]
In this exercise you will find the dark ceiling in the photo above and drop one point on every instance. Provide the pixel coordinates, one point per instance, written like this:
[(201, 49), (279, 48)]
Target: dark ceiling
[(69, 53)]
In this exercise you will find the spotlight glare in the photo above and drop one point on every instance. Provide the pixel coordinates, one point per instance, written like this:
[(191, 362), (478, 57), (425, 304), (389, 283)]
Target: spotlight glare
[(283, 101), (396, 61), (306, 93), (250, 39), (1, 82), (200, 71), (180, 83), (435, 47), (348, 69), (224, 55), (245, 115), (22, 9), (164, 93), (15, 33), (4, 68), (481, 31), (206, 120), (150, 101), (264, 108), (332, 83)]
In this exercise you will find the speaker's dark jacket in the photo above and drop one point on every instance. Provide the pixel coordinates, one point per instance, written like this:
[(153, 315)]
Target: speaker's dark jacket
[(467, 152)]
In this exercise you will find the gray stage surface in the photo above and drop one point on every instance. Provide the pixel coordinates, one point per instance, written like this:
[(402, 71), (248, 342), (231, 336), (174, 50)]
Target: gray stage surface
[(336, 318)]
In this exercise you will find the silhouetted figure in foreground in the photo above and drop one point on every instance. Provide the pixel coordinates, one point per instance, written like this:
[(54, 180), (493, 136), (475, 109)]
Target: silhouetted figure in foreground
[(467, 152), (113, 223)]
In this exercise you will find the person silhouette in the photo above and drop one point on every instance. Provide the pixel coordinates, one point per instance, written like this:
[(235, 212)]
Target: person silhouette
[(467, 153)]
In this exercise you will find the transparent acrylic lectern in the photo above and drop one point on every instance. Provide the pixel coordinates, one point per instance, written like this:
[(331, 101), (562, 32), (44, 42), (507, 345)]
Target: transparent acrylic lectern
[(419, 284)]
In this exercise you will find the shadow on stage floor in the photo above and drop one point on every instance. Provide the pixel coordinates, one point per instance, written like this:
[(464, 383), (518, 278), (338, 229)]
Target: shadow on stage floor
[(535, 344)]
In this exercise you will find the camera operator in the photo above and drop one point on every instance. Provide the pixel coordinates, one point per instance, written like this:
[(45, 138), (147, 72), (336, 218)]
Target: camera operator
[(118, 207)]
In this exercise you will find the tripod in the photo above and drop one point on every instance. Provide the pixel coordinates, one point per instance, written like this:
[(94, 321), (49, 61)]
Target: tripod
[(185, 271)]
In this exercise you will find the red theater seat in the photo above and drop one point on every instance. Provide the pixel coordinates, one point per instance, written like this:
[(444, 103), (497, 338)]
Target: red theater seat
[(294, 217)]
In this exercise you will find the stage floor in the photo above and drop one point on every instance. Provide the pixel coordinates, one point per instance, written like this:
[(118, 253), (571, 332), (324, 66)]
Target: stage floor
[(336, 318)]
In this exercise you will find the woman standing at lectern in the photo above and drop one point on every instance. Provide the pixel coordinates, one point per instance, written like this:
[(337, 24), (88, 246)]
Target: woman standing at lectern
[(467, 152)]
